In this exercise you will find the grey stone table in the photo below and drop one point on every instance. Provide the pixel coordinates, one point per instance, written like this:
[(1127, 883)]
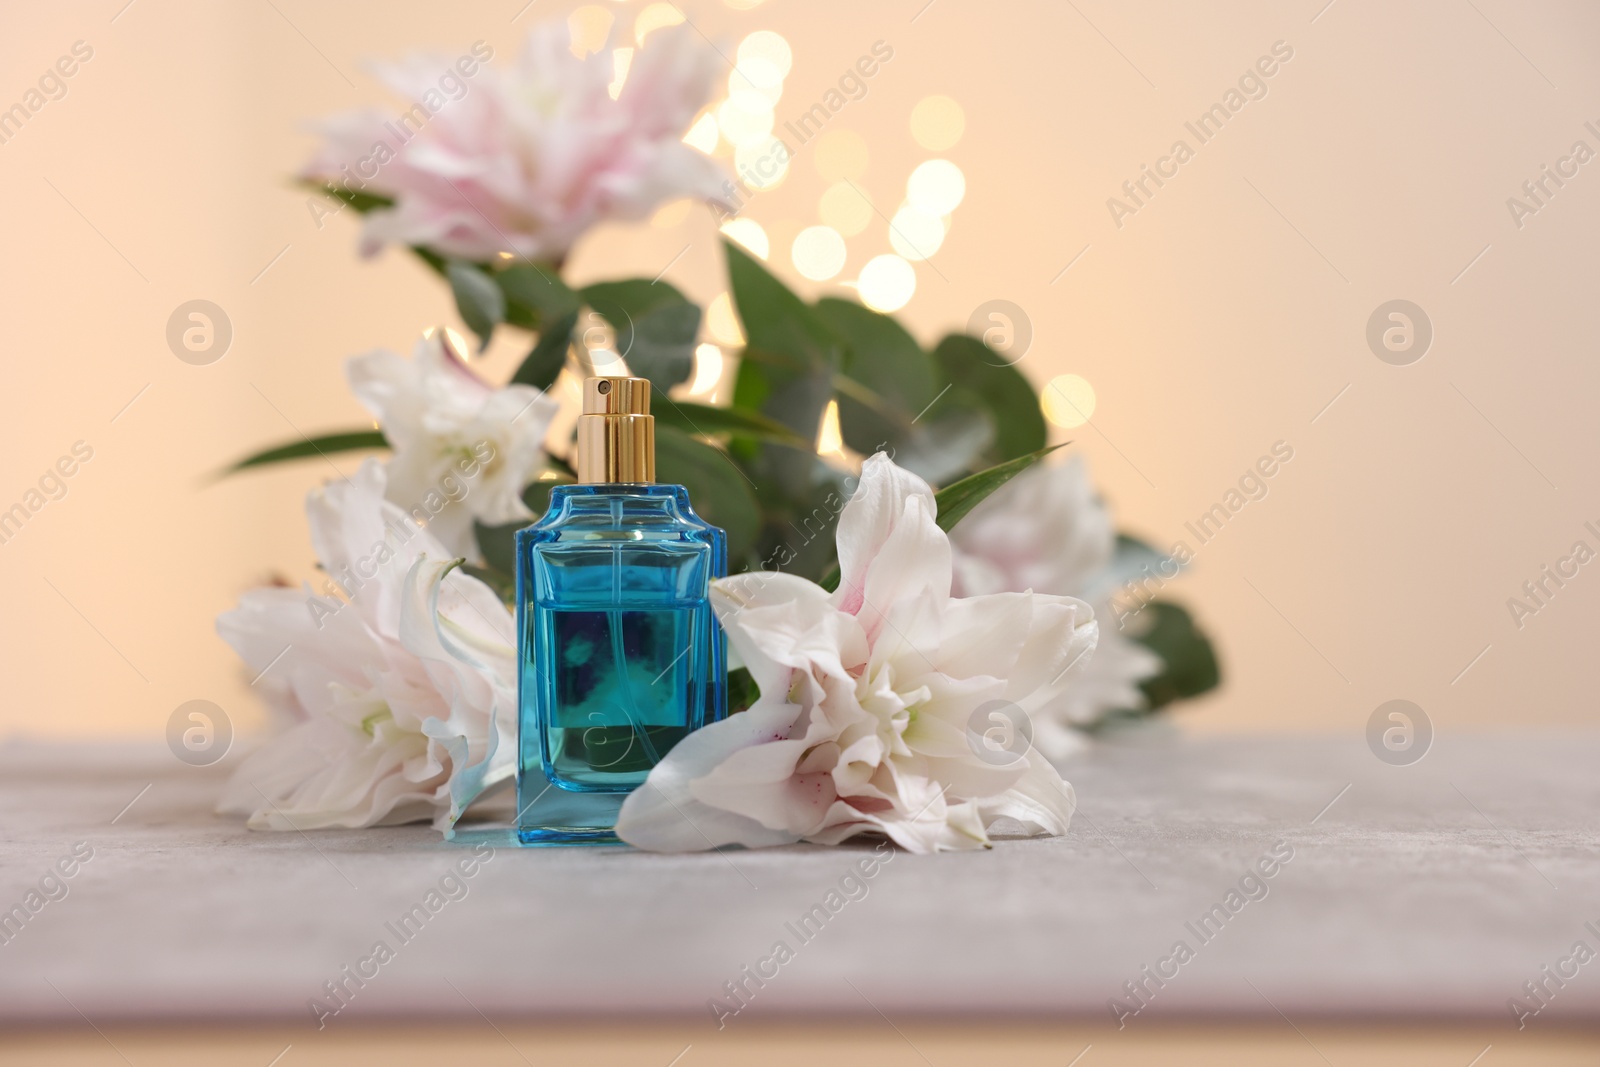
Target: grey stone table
[(1428, 892)]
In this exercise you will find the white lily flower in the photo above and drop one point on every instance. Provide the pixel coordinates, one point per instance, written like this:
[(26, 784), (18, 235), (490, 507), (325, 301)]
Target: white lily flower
[(403, 696), (463, 450), (1046, 530), (869, 699)]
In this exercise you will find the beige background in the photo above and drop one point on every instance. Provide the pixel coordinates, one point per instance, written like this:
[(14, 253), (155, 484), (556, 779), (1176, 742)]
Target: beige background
[(1221, 318)]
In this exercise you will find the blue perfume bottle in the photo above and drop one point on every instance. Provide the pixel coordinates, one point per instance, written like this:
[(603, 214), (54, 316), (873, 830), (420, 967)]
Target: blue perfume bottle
[(620, 653)]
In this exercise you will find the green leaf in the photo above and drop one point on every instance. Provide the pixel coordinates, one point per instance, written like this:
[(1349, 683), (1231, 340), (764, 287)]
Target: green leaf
[(707, 420), (348, 441), (891, 397), (774, 319), (656, 328), (791, 379), (895, 373), (478, 298), (1191, 666), (717, 487), (973, 366), (561, 467), (503, 583), (497, 544), (535, 295), (885, 359), (742, 690), (800, 519), (937, 444), (954, 501), (543, 365), (950, 439), (435, 262), (786, 373), (1134, 560), (362, 202)]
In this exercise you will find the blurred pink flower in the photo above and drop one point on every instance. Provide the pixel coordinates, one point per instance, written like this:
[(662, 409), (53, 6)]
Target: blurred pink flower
[(524, 159), (1046, 530)]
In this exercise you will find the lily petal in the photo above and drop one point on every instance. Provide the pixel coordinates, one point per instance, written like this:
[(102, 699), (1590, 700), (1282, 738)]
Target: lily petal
[(868, 699), (664, 815), (868, 520)]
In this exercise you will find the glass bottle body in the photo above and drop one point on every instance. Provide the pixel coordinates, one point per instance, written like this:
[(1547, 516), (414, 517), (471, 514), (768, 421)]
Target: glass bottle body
[(621, 654)]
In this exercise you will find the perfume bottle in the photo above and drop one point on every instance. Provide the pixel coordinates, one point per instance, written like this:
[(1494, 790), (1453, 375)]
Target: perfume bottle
[(621, 656)]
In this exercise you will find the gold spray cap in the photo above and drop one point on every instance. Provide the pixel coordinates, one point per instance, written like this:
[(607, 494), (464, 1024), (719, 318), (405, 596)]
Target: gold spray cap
[(616, 432)]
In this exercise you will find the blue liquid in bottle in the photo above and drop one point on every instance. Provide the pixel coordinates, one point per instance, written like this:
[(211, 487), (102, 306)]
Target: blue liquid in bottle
[(621, 654)]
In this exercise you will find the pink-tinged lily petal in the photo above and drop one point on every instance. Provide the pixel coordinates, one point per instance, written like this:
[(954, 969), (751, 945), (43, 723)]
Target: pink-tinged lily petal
[(763, 782), (299, 646), (1047, 531), (664, 815), (983, 635), (470, 668), (318, 776), (1110, 679), (868, 520), (912, 562), (1040, 800), (1059, 645), (406, 691), (463, 451), (527, 157), (869, 699), (777, 622), (669, 82), (1044, 530), (924, 820)]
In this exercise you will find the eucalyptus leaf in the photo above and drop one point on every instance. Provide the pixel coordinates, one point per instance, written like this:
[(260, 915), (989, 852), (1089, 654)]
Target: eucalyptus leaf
[(324, 445), (497, 544), (502, 582), (742, 690), (791, 378), (1133, 561), (947, 441), (885, 359), (434, 261), (706, 419), (656, 328), (775, 319), (785, 373), (535, 295), (542, 366), (478, 298), (717, 488), (794, 400), (1018, 422), (892, 398), (798, 536), (362, 202), (1190, 664)]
